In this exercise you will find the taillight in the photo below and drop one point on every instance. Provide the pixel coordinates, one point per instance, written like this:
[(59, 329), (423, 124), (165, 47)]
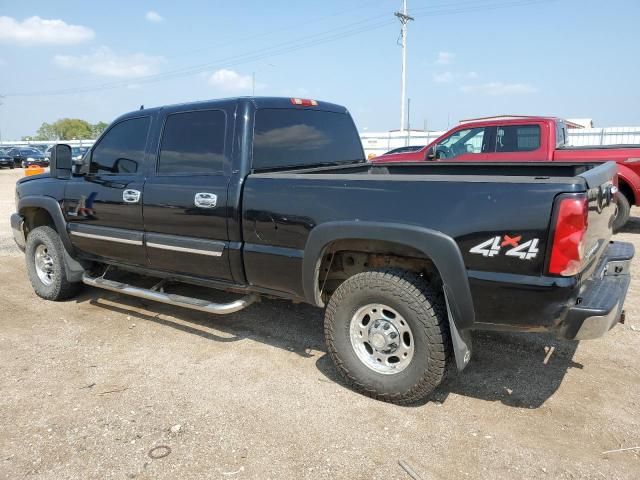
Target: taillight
[(567, 249), (304, 102)]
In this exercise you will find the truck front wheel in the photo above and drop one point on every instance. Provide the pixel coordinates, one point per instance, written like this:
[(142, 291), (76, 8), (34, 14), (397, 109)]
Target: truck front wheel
[(387, 334), (45, 265)]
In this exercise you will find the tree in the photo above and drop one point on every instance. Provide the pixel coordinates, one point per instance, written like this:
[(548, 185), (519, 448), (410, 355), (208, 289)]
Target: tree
[(46, 132), (70, 128), (98, 128)]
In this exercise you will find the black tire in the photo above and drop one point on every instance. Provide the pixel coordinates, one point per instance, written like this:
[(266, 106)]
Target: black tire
[(59, 287), (623, 213), (422, 308), (12, 166)]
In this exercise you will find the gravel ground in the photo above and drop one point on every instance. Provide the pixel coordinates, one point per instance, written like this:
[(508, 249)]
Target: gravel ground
[(99, 386)]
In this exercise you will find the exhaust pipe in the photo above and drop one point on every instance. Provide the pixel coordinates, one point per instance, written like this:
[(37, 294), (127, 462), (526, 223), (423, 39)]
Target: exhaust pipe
[(169, 298)]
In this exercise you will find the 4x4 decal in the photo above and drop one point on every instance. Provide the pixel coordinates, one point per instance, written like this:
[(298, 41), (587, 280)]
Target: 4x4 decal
[(493, 246)]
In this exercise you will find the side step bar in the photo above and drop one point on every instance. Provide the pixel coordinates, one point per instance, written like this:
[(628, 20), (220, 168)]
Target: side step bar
[(171, 299)]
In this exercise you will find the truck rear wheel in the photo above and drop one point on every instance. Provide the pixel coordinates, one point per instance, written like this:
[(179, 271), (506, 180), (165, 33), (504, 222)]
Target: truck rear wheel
[(45, 265), (387, 334), (623, 212)]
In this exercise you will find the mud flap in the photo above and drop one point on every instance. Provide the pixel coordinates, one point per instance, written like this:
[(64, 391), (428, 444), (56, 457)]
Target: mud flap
[(73, 268), (460, 340)]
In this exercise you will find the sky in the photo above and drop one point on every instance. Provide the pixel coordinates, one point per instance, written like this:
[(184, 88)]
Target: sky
[(465, 58)]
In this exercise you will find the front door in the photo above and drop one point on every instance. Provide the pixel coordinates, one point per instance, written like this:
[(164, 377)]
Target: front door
[(465, 144), (185, 198), (103, 208)]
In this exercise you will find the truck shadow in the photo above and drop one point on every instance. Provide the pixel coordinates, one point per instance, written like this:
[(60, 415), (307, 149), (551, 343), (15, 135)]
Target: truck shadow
[(293, 327), (506, 367), (632, 225), (510, 368)]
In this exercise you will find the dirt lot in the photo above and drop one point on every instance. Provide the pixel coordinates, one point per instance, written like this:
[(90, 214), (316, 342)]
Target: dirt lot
[(92, 386)]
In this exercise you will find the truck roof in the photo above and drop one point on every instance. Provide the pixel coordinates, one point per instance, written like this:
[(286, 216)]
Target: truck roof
[(509, 119), (258, 102)]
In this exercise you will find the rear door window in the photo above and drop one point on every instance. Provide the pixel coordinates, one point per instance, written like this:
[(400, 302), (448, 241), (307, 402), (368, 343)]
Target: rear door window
[(518, 138), (298, 138), (193, 142)]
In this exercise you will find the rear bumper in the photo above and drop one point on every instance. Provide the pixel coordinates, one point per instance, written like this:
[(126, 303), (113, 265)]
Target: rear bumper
[(17, 227), (600, 302)]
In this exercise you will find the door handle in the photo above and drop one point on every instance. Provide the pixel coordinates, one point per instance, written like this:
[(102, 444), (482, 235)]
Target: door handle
[(131, 196), (205, 200)]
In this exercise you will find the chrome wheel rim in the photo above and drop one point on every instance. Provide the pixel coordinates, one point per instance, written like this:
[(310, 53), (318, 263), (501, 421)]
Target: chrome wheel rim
[(381, 338), (44, 264)]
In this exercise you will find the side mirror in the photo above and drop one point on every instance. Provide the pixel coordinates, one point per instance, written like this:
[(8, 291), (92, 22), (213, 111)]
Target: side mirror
[(431, 153), (60, 162)]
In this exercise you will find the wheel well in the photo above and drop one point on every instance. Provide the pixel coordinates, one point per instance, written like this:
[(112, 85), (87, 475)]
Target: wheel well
[(344, 258), (35, 217), (627, 191)]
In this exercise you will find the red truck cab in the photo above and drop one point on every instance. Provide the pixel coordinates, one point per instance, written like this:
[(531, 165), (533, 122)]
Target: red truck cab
[(528, 138)]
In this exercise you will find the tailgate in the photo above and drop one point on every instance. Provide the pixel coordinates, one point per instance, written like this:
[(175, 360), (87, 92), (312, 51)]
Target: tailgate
[(601, 192)]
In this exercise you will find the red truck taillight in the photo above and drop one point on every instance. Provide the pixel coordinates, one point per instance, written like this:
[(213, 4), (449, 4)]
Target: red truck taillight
[(567, 249)]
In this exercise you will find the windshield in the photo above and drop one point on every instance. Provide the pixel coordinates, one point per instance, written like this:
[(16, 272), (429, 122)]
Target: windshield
[(304, 138), (30, 151)]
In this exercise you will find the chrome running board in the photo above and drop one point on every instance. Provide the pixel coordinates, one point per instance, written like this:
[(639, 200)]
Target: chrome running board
[(170, 298)]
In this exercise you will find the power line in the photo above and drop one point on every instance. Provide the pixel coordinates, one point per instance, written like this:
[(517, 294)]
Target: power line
[(309, 41), (278, 49)]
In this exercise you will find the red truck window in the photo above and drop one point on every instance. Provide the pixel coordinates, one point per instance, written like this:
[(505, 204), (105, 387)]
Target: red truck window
[(518, 138), (470, 140)]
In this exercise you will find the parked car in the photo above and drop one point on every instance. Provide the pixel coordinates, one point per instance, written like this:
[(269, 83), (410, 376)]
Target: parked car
[(272, 196), (78, 152), (409, 148), (524, 139), (6, 160), (25, 157), (43, 148)]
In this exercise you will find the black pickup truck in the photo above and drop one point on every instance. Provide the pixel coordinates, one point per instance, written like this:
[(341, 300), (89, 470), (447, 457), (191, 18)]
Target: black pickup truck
[(273, 196)]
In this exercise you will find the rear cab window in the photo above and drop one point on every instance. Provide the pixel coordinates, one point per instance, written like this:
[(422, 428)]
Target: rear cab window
[(517, 138), (286, 137)]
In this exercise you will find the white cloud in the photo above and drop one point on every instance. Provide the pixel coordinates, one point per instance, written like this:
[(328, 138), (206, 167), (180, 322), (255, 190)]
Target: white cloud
[(154, 17), (444, 77), (472, 75), (232, 81), (105, 62), (39, 31), (445, 58), (499, 88)]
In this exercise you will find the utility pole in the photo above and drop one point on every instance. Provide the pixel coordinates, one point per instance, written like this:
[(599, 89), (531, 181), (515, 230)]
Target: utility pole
[(253, 84), (408, 121), (404, 19)]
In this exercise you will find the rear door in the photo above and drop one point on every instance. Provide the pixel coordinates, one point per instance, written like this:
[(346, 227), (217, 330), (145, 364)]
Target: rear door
[(515, 142), (185, 197), (103, 208)]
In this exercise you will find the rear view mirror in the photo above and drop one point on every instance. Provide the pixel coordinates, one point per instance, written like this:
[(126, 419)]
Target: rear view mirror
[(60, 162), (431, 153)]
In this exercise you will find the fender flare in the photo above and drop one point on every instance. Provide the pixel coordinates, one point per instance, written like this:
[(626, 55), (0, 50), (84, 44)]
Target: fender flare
[(52, 207), (440, 248), (74, 268), (632, 179)]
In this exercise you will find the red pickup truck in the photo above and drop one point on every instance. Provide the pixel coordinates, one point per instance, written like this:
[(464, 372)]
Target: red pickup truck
[(521, 139)]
